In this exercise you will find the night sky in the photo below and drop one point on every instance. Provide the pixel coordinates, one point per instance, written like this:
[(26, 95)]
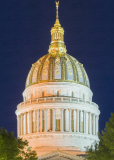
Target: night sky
[(25, 37)]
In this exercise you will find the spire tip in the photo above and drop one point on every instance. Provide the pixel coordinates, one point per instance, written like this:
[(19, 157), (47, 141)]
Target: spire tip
[(57, 5)]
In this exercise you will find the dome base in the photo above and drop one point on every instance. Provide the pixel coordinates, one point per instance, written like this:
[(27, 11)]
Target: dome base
[(79, 141)]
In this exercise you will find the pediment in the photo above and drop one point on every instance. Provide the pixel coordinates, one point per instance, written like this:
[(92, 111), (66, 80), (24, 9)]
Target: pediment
[(59, 155)]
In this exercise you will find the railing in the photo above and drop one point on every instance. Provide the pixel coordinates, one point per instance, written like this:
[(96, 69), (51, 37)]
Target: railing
[(55, 99)]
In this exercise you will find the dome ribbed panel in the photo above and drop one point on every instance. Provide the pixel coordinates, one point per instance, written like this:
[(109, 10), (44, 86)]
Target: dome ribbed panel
[(69, 66), (41, 68)]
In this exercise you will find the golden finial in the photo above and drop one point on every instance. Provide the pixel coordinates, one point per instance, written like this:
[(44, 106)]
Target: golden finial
[(57, 5)]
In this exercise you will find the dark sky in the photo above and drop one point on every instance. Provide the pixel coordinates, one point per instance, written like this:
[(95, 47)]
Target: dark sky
[(25, 37)]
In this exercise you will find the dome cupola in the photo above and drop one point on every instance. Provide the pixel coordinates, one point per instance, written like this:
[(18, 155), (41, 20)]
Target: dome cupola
[(57, 65), (57, 37)]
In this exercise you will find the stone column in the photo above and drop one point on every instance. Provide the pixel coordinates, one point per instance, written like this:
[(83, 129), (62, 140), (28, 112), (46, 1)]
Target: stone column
[(64, 123), (90, 126), (62, 119), (31, 121), (80, 121), (66, 120), (75, 120), (25, 122), (86, 122), (93, 124), (53, 120), (17, 126), (96, 125), (21, 124), (45, 114), (70, 120), (40, 120), (77, 125), (18, 122)]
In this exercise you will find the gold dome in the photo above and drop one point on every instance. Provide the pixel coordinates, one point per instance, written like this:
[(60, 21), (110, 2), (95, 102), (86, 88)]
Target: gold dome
[(57, 69), (57, 65)]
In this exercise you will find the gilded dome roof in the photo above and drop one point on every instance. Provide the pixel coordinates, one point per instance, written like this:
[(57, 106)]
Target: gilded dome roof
[(57, 65), (57, 69)]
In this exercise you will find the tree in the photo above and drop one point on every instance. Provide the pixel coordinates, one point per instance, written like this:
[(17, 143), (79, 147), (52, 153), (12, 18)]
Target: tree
[(31, 155), (27, 155), (14, 148), (2, 154), (105, 148)]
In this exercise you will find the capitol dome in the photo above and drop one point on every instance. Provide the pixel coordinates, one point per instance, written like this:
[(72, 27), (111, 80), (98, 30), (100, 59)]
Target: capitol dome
[(57, 68), (57, 108)]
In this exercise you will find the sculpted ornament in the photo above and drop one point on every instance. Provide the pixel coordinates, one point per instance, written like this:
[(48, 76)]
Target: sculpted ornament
[(57, 65), (69, 65), (46, 64)]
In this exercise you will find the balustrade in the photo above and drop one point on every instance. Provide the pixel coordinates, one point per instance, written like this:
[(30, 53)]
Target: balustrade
[(55, 99)]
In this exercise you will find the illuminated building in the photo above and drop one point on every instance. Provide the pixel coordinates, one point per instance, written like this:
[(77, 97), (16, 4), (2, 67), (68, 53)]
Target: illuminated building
[(57, 109)]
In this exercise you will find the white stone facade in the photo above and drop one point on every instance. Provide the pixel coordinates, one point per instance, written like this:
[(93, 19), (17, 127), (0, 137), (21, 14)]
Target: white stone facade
[(52, 116)]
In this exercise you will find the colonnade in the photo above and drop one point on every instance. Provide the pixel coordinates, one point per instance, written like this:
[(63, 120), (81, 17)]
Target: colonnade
[(71, 120), (57, 36)]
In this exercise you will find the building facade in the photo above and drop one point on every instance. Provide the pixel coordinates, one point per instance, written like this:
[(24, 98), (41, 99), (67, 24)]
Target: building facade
[(57, 108)]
